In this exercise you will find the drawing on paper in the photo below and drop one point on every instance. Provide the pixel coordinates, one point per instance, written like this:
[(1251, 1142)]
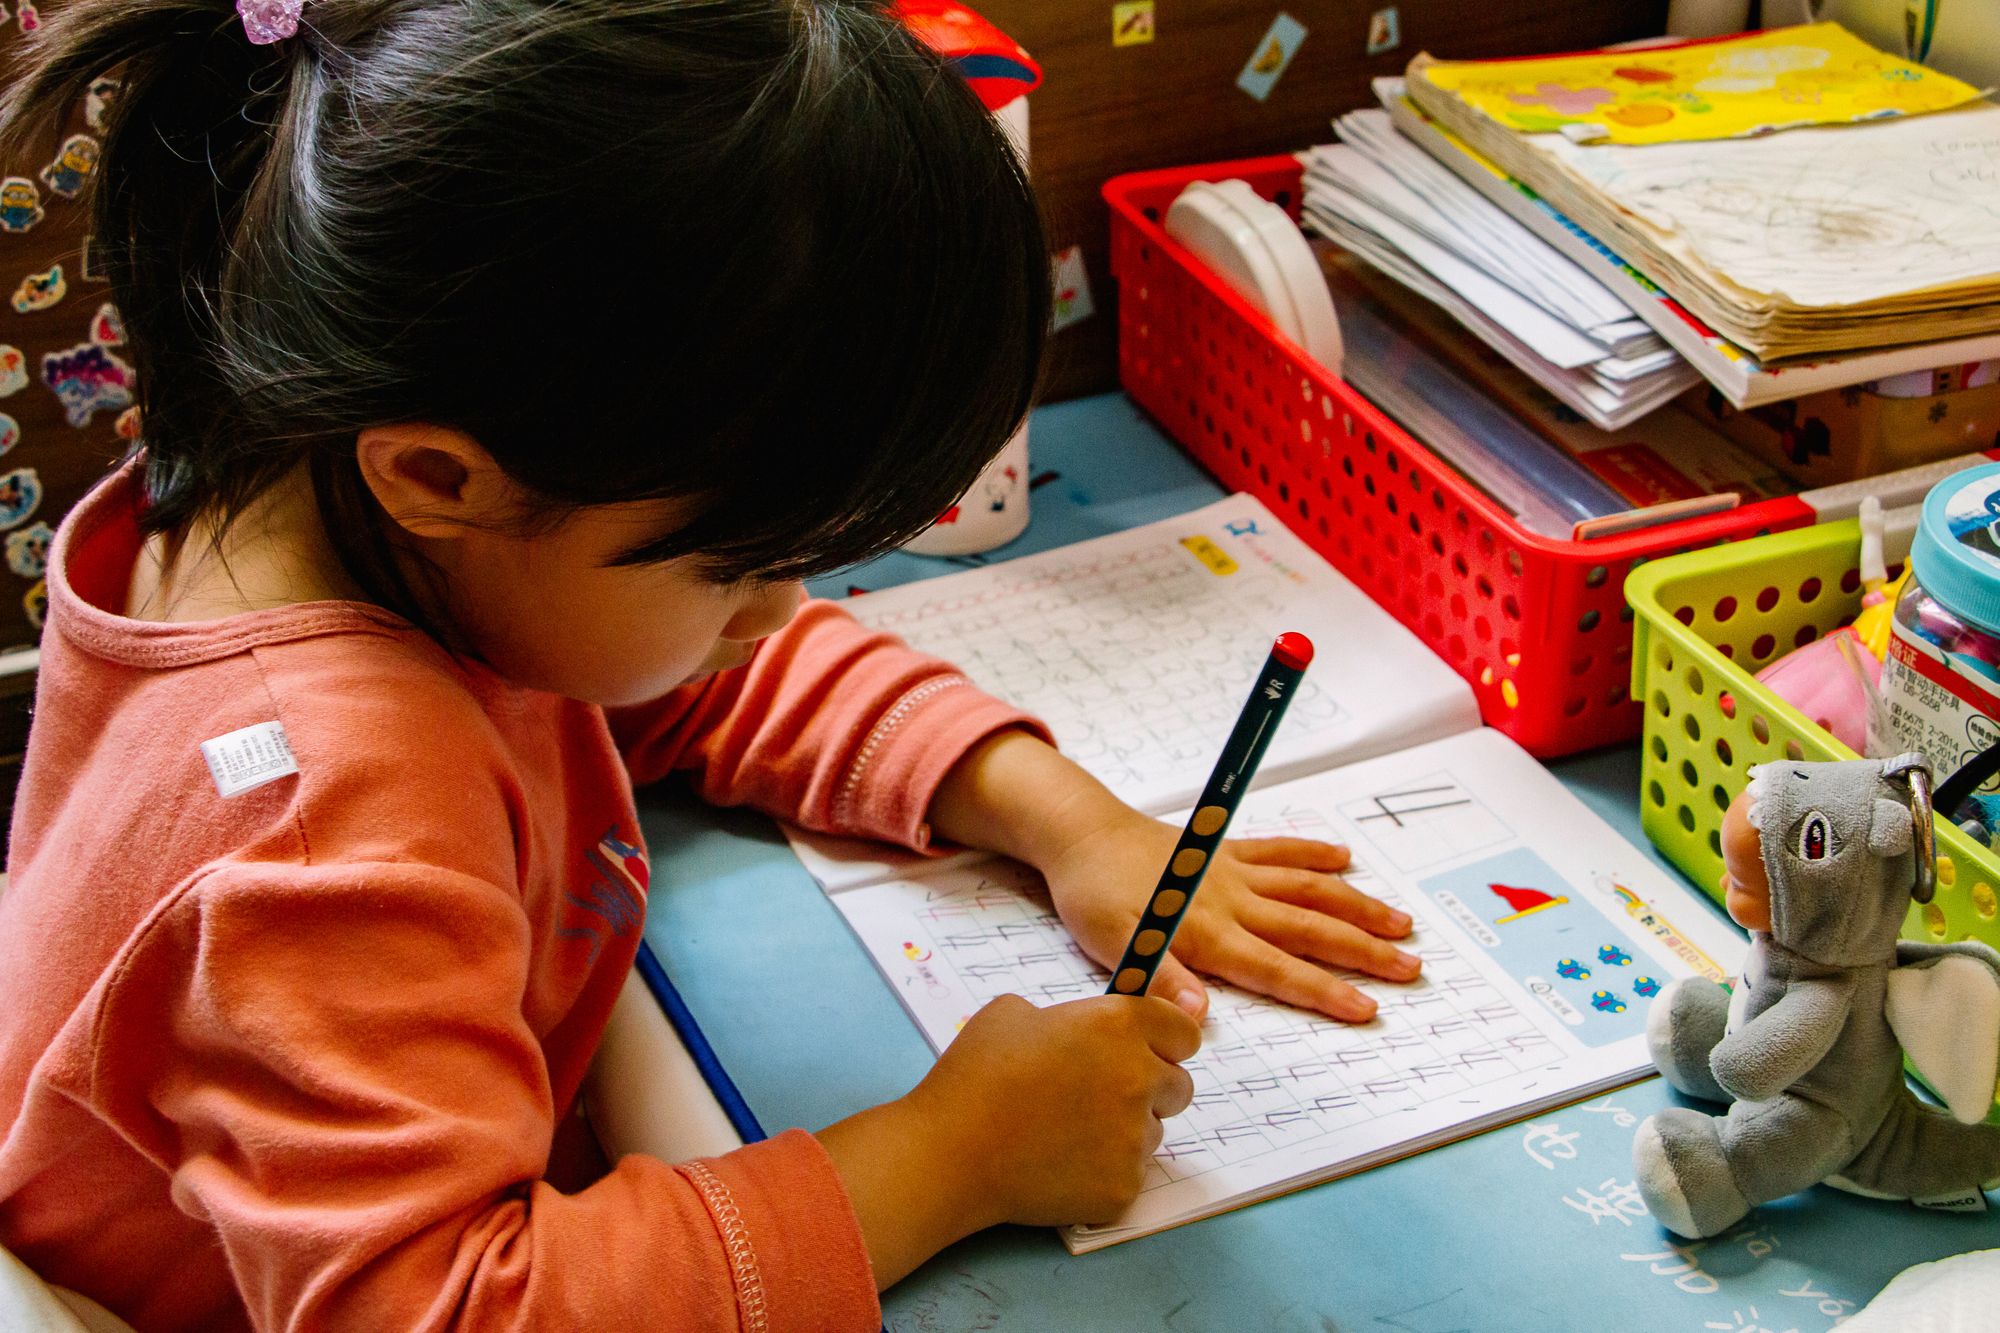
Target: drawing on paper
[(1426, 823), (1268, 1077), (1519, 931), (1525, 902), (1076, 646)]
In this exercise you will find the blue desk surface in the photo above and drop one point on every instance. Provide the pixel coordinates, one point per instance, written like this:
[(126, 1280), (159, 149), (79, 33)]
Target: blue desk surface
[(1531, 1227)]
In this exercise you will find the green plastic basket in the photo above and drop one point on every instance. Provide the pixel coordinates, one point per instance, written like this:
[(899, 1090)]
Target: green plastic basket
[(1705, 622)]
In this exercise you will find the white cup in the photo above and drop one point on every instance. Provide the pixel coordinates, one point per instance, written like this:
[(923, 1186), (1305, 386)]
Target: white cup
[(993, 513), (995, 510)]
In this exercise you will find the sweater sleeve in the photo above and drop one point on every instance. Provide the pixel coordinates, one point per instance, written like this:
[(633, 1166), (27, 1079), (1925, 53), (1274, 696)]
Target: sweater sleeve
[(832, 726), (334, 1066)]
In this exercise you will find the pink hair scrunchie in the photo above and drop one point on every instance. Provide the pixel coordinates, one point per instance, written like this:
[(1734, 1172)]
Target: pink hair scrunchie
[(268, 21)]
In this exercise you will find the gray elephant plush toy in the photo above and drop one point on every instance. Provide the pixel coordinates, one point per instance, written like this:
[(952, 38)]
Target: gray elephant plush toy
[(1822, 862)]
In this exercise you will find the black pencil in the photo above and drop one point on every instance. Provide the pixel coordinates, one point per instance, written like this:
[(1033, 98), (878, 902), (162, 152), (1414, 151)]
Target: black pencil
[(1269, 696)]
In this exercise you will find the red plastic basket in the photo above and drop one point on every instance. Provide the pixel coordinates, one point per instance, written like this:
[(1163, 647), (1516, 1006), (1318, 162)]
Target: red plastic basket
[(1538, 626)]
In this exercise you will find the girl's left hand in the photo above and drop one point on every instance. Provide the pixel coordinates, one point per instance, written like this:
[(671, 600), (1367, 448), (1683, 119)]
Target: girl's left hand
[(1269, 913)]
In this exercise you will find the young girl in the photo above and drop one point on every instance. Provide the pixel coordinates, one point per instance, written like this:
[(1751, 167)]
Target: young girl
[(505, 365)]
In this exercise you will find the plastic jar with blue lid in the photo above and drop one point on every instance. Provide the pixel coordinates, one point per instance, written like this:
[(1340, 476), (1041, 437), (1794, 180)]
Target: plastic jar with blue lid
[(1941, 680)]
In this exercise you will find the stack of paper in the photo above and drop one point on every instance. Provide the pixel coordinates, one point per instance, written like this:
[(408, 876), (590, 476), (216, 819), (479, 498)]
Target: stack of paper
[(1810, 241), (1386, 200), (1742, 378)]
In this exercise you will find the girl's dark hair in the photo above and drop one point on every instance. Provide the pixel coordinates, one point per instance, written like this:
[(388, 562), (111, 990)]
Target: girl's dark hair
[(769, 256)]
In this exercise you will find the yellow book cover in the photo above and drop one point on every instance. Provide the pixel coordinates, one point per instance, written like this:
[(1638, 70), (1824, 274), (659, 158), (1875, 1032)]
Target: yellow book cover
[(1729, 88)]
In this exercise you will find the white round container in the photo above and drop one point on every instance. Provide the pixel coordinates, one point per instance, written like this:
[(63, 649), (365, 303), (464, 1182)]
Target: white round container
[(995, 511)]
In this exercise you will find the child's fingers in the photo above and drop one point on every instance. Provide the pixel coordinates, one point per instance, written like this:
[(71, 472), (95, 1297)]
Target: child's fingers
[(1175, 984), (1171, 1032), (1175, 1093), (1299, 853), (1328, 939), (1331, 896), (1261, 966)]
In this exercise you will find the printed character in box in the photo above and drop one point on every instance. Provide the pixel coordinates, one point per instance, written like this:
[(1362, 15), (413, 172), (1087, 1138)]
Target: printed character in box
[(1823, 860)]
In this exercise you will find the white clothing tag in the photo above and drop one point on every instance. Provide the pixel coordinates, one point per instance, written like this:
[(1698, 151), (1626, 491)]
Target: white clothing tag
[(1967, 1200), (249, 758)]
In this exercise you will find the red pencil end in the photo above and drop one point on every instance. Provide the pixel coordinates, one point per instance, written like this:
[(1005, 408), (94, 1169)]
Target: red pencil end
[(1294, 649)]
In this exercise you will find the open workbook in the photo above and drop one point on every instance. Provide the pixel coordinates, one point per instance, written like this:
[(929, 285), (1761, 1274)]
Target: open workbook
[(1544, 935)]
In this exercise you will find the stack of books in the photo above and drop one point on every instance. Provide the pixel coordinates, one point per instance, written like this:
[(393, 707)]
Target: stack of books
[(1790, 211)]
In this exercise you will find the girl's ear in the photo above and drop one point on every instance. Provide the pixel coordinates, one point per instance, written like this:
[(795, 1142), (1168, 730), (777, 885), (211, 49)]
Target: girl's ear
[(433, 481)]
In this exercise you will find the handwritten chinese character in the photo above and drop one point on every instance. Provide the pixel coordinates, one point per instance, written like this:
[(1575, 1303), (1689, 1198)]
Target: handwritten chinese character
[(1831, 1306), (1679, 1263), (1742, 1324), (1551, 1137), (1620, 1117), (1620, 1203)]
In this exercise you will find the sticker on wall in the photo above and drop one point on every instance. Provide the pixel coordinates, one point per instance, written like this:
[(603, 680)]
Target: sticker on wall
[(39, 291), (106, 329), (1274, 52), (31, 19), (90, 265), (28, 550), (75, 161), (20, 496), (13, 370), (1072, 295), (35, 602), (1132, 23), (127, 424), (102, 96), (87, 378), (1385, 31), (10, 433), (20, 204)]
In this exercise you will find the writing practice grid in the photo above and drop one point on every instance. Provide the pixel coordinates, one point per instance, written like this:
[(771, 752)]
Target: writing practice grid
[(1544, 937), (1137, 650)]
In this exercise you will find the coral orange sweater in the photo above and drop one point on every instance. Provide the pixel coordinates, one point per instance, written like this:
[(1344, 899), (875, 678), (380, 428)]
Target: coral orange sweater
[(292, 1058)]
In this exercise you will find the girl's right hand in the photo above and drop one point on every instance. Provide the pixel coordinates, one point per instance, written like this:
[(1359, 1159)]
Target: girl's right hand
[(1060, 1108), (1037, 1116)]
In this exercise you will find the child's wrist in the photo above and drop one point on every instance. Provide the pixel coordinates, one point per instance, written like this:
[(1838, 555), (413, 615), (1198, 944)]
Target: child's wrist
[(1017, 795), (954, 1150), (912, 1176)]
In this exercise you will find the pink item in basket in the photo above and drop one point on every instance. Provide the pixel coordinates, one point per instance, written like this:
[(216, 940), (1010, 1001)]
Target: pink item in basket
[(1832, 681)]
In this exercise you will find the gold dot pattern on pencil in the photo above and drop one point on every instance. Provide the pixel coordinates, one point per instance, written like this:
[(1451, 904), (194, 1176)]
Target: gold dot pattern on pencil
[(1131, 980), (1148, 942), (1209, 819), (1168, 901), (1188, 860)]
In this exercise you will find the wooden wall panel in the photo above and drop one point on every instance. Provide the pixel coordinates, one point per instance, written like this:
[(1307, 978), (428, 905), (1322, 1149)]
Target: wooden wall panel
[(1105, 109)]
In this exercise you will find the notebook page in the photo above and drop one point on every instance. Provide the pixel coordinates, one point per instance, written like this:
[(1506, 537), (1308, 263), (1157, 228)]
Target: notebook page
[(1818, 218), (1138, 649), (1544, 937)]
